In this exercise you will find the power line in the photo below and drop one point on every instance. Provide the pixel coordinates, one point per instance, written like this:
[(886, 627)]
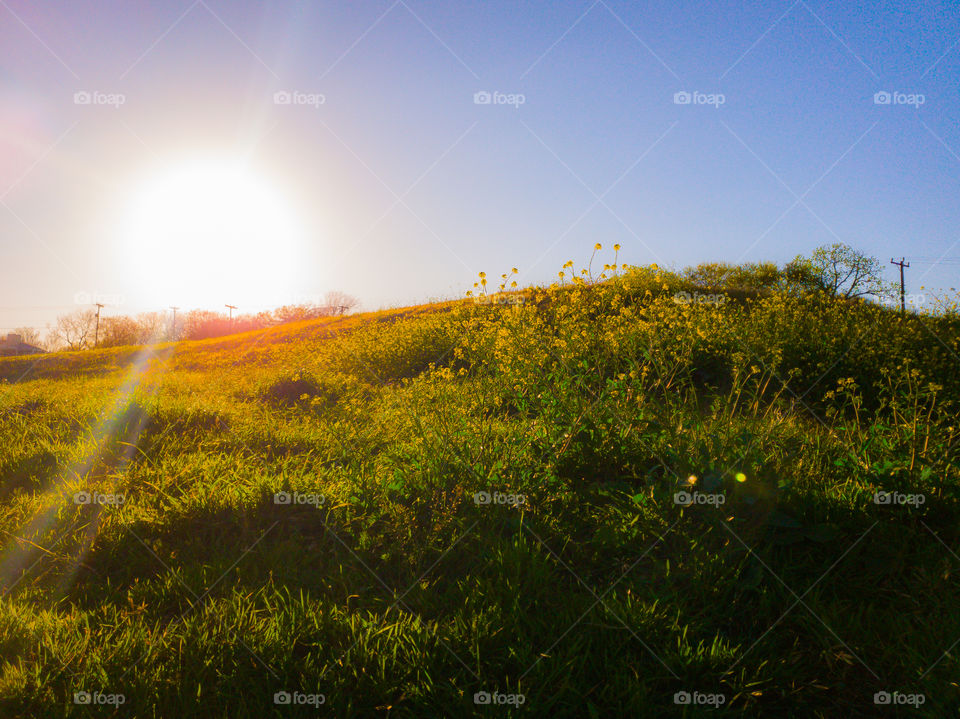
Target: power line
[(936, 260), (36, 307)]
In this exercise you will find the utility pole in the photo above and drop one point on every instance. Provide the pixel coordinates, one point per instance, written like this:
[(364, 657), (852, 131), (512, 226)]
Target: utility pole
[(173, 329), (902, 264), (232, 308), (96, 335)]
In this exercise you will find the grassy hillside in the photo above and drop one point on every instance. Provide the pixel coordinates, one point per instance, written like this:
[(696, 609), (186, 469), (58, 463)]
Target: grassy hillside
[(584, 502)]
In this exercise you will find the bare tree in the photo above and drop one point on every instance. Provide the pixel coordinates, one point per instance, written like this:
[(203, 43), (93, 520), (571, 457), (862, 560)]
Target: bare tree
[(152, 327), (295, 313), (75, 331), (340, 303), (29, 335)]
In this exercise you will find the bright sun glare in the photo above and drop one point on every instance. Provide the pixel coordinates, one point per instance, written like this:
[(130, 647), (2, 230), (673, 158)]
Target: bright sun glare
[(211, 232)]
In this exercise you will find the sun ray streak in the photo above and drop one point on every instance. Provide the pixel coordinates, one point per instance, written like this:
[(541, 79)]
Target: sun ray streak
[(103, 455)]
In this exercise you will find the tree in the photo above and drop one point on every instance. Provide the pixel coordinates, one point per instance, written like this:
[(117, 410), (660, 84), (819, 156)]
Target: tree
[(29, 335), (152, 327), (799, 277), (202, 324), (340, 302), (295, 313), (722, 275), (75, 331), (118, 330), (841, 271)]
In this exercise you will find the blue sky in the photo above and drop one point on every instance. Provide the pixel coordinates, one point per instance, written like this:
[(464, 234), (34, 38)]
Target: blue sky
[(402, 187)]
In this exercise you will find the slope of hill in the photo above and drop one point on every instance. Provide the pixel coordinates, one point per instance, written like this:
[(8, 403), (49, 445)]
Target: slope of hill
[(592, 501)]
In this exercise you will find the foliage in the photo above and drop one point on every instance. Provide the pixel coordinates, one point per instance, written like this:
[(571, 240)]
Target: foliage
[(842, 271), (721, 275)]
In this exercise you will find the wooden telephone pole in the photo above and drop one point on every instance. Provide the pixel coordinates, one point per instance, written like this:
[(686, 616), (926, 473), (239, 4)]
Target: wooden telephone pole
[(173, 329), (232, 308), (902, 264), (96, 334)]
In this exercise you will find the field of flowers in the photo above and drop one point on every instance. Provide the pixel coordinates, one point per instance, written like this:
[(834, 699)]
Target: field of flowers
[(633, 497)]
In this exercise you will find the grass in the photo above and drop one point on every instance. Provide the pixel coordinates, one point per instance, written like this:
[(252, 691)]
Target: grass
[(385, 586)]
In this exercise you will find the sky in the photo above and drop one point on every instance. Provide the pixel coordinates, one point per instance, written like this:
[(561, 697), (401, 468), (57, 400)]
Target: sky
[(195, 154)]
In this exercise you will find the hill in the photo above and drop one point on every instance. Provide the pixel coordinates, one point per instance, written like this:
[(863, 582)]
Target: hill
[(634, 498)]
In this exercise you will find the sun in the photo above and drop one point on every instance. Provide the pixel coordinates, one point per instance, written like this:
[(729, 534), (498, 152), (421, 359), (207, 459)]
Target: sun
[(208, 232)]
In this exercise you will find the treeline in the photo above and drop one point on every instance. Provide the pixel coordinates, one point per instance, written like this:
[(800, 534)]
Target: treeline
[(79, 330), (837, 270)]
